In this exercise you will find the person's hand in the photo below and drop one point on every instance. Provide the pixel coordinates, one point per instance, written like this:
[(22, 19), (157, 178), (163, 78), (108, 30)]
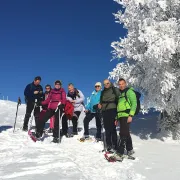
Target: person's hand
[(99, 106), (86, 111), (129, 120), (61, 106), (39, 103), (36, 92), (73, 101), (40, 92), (116, 122)]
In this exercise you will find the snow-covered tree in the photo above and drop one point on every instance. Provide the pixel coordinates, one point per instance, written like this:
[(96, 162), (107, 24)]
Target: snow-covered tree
[(152, 52)]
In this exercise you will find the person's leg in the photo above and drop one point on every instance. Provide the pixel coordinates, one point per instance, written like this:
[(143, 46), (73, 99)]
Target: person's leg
[(36, 115), (40, 126), (87, 119), (64, 125), (106, 123), (113, 128), (29, 109), (124, 134), (75, 121), (98, 126), (56, 124)]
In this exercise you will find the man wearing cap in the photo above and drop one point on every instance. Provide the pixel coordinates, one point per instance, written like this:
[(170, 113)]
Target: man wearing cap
[(91, 112), (32, 91)]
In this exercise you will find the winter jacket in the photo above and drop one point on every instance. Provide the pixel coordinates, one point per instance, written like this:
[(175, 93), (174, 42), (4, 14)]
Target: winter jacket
[(108, 98), (55, 96), (79, 99), (126, 108), (29, 92), (94, 99)]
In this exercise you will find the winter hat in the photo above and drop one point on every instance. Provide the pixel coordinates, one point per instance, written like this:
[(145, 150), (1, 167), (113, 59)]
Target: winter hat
[(58, 82), (98, 84), (37, 78)]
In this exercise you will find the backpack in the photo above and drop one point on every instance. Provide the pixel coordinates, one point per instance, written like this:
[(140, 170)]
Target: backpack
[(69, 110), (138, 96)]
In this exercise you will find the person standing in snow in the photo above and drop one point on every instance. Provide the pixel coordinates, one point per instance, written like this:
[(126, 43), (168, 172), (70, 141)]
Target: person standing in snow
[(108, 105), (76, 97), (56, 96), (32, 92), (126, 110), (91, 112)]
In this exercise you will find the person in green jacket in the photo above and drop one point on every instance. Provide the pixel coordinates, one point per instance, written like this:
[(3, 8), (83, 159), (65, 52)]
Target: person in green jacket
[(125, 111), (108, 106)]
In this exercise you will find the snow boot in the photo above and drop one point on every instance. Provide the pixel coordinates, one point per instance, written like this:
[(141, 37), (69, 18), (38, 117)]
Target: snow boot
[(50, 130), (55, 140), (131, 152)]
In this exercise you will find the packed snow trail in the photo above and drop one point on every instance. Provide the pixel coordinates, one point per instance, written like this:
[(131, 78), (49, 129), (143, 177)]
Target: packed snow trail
[(23, 159)]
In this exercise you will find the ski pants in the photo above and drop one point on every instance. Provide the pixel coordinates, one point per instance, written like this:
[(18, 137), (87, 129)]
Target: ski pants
[(50, 113), (29, 109), (74, 122), (125, 141), (89, 116), (109, 116)]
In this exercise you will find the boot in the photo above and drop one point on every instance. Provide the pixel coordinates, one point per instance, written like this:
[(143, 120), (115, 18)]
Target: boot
[(55, 140)]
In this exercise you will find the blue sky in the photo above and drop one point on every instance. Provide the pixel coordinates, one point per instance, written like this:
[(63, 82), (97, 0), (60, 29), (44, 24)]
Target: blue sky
[(57, 39)]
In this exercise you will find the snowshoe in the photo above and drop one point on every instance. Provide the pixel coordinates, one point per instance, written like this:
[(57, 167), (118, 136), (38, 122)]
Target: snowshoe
[(84, 138), (32, 136), (113, 157)]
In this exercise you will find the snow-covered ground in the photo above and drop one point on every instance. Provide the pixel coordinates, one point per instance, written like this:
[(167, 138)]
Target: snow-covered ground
[(22, 159)]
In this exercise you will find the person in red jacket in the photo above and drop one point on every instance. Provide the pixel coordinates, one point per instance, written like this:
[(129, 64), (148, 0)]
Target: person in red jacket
[(56, 96)]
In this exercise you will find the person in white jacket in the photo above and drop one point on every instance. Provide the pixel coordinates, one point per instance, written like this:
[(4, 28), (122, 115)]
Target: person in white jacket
[(76, 97)]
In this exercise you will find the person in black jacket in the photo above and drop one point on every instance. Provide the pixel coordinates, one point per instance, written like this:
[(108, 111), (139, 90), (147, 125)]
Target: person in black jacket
[(32, 91)]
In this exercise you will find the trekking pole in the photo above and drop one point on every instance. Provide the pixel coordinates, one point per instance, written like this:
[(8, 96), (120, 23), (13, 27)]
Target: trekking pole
[(31, 120), (60, 121), (103, 132), (18, 104)]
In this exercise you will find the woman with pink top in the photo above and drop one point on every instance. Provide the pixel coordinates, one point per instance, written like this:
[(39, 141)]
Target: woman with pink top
[(56, 96)]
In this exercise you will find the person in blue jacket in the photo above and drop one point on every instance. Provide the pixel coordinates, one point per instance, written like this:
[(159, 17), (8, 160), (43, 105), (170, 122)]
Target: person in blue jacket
[(32, 91), (91, 112)]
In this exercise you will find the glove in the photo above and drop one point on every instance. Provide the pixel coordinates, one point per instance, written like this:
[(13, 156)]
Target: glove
[(95, 107), (38, 103), (61, 106)]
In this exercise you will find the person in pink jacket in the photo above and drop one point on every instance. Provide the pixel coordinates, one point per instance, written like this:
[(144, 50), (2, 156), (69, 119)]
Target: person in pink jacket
[(56, 96)]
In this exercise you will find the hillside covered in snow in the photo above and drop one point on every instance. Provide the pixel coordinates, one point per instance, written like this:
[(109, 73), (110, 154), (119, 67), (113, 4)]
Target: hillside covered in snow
[(22, 159)]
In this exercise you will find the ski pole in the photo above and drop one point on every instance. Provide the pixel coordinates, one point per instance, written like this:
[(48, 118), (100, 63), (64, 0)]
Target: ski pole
[(102, 131), (60, 121), (30, 123), (18, 104)]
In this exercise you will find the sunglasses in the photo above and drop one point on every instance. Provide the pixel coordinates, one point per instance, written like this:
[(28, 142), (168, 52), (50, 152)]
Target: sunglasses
[(106, 84), (47, 88), (97, 86)]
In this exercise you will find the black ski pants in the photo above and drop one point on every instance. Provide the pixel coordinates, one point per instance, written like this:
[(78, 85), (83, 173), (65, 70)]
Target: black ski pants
[(49, 113), (29, 109), (109, 116), (74, 122), (125, 141), (89, 116)]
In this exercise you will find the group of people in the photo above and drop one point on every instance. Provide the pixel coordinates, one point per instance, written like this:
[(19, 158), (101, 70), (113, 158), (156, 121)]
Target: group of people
[(114, 104)]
